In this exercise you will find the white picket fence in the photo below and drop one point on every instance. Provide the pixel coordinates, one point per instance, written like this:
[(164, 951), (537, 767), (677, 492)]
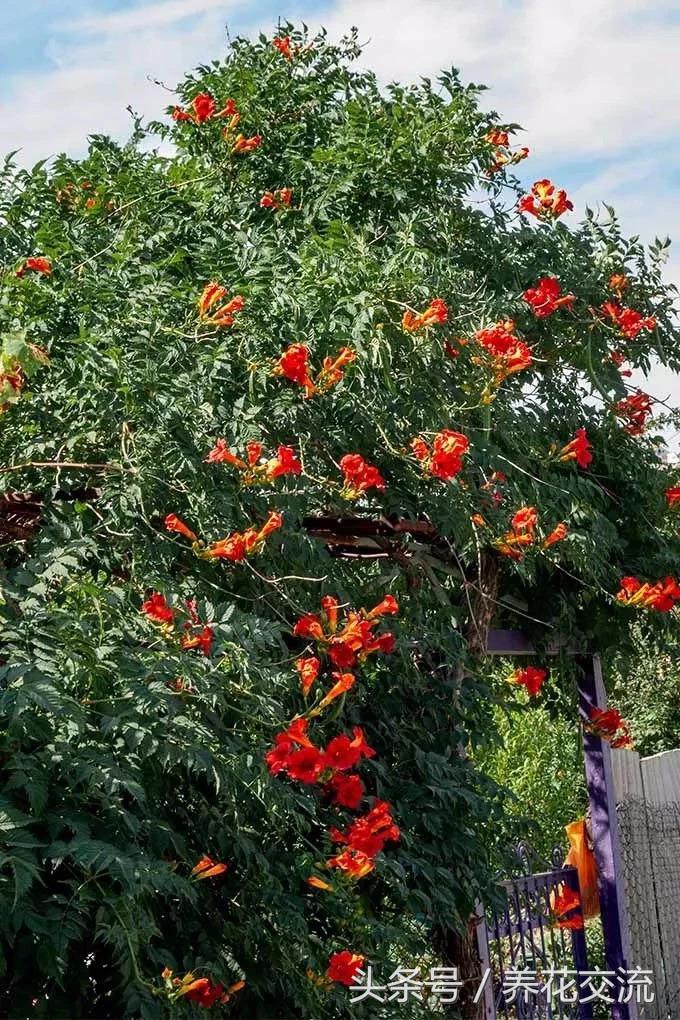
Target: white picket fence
[(647, 793)]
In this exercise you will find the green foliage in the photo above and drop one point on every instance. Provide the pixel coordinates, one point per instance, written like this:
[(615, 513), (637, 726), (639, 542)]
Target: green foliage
[(539, 758), (644, 683), (114, 781)]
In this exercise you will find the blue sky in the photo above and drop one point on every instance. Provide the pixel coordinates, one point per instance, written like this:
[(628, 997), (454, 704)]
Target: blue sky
[(594, 82)]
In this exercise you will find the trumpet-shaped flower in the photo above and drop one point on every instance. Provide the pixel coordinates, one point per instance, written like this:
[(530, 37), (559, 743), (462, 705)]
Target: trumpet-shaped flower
[(608, 725), (508, 354), (545, 201), (158, 610), (578, 449), (546, 297), (346, 791), (308, 668), (214, 309), (175, 524), (558, 534), (283, 45), (279, 199), (673, 496), (359, 476), (35, 264), (204, 108), (634, 411), (445, 458), (239, 545), (284, 462), (343, 967), (207, 868), (530, 677), (628, 321), (436, 313), (660, 596)]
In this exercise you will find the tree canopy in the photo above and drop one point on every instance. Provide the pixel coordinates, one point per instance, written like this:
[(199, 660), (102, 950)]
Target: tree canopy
[(308, 305)]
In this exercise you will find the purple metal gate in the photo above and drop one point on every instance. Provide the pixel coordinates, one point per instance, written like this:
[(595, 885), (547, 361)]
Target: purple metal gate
[(527, 958)]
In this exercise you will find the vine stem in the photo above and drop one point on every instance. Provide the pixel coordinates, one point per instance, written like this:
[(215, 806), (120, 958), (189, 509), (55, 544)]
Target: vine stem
[(58, 464), (133, 956)]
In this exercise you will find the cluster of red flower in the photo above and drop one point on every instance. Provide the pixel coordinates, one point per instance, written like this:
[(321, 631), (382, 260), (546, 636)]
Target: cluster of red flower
[(364, 839), (203, 991), (344, 966), (522, 534), (436, 313), (546, 297), (276, 199), (660, 596), (284, 463), (634, 410), (673, 496), (444, 459), (283, 45), (214, 310), (236, 546), (607, 724), (296, 756), (504, 155), (508, 353), (359, 476), (545, 201), (530, 677), (241, 144), (35, 264), (294, 365), (197, 634), (203, 108), (627, 320), (345, 643), (206, 867)]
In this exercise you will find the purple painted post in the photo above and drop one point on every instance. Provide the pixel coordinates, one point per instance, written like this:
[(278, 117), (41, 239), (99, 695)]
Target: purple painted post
[(603, 823)]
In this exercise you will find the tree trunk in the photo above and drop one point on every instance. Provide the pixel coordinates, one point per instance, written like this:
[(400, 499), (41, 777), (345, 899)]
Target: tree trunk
[(459, 949)]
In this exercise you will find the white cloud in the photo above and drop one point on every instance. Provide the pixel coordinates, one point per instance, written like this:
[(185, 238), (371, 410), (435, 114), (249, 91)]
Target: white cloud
[(87, 81), (589, 77), (595, 77), (151, 16)]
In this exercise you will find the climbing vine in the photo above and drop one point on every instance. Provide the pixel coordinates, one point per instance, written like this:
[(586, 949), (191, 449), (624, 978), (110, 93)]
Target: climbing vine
[(264, 387)]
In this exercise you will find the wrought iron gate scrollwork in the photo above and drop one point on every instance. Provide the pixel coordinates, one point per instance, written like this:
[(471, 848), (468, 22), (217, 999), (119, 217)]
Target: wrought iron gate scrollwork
[(516, 937)]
